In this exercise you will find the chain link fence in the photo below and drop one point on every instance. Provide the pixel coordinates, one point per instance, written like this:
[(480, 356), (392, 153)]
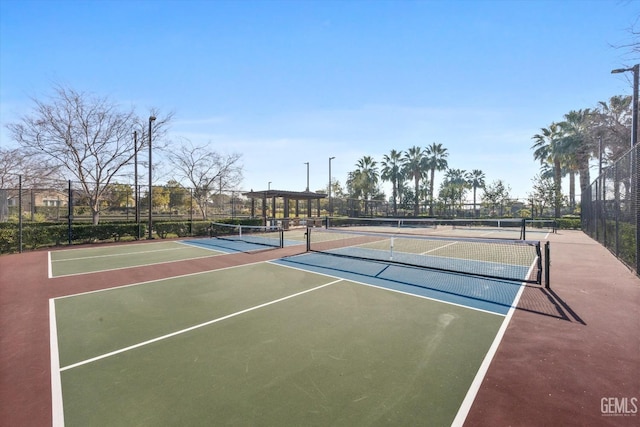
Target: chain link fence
[(68, 204), (610, 210), (66, 212)]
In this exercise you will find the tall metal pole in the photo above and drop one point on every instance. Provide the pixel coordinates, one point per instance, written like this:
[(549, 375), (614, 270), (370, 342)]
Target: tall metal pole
[(151, 119), (635, 157), (135, 179), (308, 200), (70, 215), (20, 213), (330, 205), (634, 119)]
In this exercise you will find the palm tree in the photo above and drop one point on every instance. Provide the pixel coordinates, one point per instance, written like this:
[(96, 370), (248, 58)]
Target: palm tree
[(392, 171), (475, 179), (413, 163), (456, 180), (365, 178), (548, 149), (579, 146), (436, 160)]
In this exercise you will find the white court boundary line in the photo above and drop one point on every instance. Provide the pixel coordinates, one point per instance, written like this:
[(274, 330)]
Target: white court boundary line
[(214, 254), (474, 388), (136, 266), (56, 381), (192, 328), (391, 289), (81, 248), (467, 403), (49, 266), (146, 282), (121, 254), (57, 407)]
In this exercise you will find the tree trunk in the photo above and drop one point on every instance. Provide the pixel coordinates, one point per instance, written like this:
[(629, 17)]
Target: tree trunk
[(475, 213), (557, 178), (433, 173), (395, 197), (95, 216), (416, 205), (572, 190)]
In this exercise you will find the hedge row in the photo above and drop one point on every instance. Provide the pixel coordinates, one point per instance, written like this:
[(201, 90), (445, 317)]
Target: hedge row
[(568, 223), (42, 234)]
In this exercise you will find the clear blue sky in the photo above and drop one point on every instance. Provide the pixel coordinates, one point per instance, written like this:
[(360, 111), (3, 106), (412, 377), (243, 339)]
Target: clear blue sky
[(289, 82)]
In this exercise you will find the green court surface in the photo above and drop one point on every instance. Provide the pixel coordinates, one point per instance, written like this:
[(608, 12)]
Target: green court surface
[(264, 344), (87, 260)]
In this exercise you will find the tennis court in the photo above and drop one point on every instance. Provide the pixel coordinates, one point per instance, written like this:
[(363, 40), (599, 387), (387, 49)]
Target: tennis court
[(98, 259), (288, 336), (308, 339)]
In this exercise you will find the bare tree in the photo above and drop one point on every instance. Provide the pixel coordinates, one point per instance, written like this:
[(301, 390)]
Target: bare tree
[(206, 171), (14, 163), (89, 136)]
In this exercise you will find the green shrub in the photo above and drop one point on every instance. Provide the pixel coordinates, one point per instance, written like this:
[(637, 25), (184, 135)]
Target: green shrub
[(568, 223), (45, 234)]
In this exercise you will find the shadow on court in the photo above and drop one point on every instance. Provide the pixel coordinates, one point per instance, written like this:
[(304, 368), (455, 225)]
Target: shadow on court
[(547, 303)]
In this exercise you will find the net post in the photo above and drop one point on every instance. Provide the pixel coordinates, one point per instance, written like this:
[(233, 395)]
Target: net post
[(523, 233), (547, 265), (308, 236)]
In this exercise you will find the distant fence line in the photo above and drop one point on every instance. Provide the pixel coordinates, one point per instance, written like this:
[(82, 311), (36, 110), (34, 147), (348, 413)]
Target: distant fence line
[(611, 210), (50, 202), (26, 211)]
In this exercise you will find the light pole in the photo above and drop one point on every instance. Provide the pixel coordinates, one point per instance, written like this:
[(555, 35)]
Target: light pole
[(634, 118), (269, 186), (151, 119), (330, 206), (307, 163)]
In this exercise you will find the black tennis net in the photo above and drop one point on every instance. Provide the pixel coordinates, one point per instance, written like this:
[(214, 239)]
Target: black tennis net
[(500, 228), (259, 235), (514, 260)]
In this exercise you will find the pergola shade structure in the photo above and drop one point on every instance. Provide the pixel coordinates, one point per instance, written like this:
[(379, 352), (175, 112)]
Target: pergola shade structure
[(287, 196)]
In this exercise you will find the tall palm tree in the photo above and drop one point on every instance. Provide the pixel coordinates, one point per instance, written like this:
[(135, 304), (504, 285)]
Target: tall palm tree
[(436, 160), (548, 149), (457, 182), (366, 178), (475, 179), (413, 162), (392, 171), (579, 145)]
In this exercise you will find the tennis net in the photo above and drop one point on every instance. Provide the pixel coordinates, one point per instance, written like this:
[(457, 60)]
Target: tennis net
[(541, 225), (260, 235), (513, 260), (488, 228)]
